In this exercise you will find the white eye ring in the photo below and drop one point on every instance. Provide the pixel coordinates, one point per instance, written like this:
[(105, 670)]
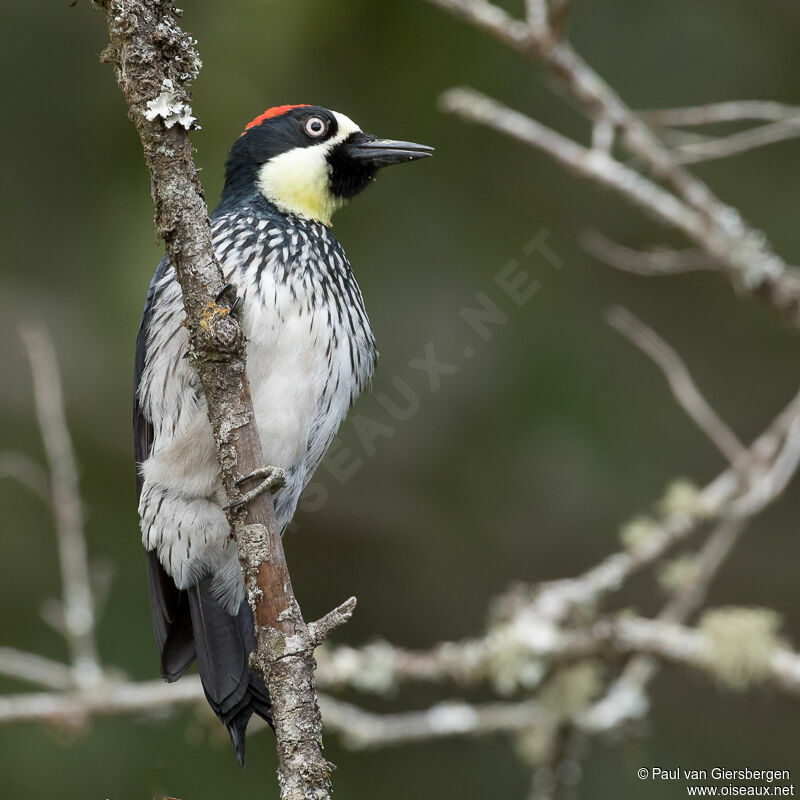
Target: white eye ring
[(316, 126)]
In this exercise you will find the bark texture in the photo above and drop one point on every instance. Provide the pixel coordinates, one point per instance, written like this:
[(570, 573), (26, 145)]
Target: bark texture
[(154, 61)]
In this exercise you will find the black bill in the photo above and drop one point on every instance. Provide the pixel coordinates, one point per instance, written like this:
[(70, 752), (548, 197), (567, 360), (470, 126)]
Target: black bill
[(383, 152)]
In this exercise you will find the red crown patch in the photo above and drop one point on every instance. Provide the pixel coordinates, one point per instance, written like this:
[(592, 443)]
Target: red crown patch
[(275, 111)]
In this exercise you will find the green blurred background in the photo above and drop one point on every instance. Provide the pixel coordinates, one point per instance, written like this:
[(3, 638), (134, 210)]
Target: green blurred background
[(522, 466)]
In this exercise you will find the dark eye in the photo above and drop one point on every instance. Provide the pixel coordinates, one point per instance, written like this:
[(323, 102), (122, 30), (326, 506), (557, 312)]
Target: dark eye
[(316, 126)]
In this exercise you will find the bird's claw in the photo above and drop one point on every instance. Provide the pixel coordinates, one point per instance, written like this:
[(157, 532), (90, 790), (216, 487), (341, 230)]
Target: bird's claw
[(229, 290), (226, 289), (272, 478)]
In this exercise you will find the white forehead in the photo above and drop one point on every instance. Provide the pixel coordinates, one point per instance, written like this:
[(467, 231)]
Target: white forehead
[(345, 125)]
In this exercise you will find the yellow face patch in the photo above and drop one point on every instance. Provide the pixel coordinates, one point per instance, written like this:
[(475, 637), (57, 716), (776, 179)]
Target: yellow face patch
[(298, 181)]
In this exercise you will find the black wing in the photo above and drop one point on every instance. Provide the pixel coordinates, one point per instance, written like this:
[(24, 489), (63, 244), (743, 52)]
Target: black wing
[(169, 606)]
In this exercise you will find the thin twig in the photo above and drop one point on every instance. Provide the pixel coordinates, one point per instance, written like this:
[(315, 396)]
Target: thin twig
[(35, 669), (689, 647), (658, 261), (737, 143), (537, 13), (28, 472), (103, 699), (603, 136), (626, 700), (680, 381), (712, 113), (769, 483), (710, 559), (363, 729), (559, 16), (78, 605), (685, 202), (624, 635), (537, 620), (592, 163)]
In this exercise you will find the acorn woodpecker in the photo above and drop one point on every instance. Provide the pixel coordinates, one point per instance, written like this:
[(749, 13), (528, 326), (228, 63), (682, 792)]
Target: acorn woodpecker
[(310, 353)]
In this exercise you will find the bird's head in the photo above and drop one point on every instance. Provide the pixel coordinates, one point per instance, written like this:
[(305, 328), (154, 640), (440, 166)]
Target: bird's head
[(308, 160)]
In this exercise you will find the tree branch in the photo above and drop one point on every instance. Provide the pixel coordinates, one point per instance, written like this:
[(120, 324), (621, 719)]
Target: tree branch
[(539, 638), (714, 113), (104, 699), (598, 165), (626, 698), (154, 61), (35, 669), (658, 261), (741, 142), (681, 383), (77, 613), (685, 202), (361, 729)]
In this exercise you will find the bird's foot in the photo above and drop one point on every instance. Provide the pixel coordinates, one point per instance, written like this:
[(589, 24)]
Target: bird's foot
[(272, 478), (228, 288)]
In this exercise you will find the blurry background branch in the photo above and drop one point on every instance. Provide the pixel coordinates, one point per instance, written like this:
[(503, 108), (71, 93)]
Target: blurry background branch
[(656, 179), (782, 123), (657, 261)]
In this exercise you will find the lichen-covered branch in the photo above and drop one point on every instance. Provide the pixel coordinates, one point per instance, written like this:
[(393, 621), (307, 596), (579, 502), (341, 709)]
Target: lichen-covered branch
[(626, 698), (578, 668), (109, 698), (360, 729), (154, 62)]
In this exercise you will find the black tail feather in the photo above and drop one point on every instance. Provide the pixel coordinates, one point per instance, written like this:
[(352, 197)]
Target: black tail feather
[(223, 644), (172, 621)]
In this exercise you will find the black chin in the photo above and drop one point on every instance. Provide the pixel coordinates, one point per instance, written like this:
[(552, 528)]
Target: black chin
[(349, 176), (355, 161)]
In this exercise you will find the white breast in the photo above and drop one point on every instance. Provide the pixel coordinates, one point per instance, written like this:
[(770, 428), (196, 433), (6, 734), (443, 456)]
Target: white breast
[(310, 353), (302, 374), (288, 369)]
